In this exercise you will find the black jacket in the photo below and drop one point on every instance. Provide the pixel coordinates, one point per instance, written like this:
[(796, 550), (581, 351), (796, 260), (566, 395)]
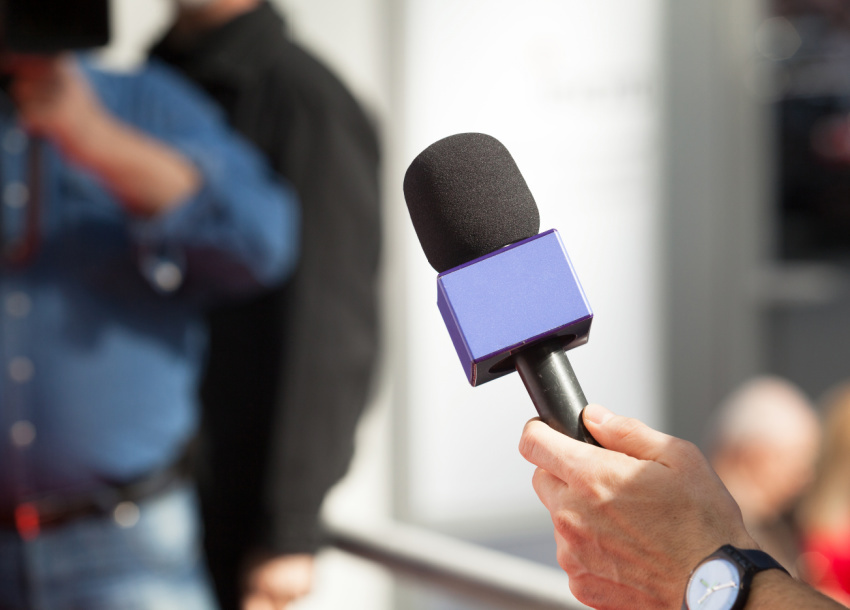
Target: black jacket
[(289, 373)]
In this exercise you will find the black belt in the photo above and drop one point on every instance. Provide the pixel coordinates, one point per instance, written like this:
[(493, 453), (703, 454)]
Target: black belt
[(33, 515)]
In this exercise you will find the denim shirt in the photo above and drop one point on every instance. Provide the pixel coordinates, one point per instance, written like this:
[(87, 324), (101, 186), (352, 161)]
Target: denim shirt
[(101, 329)]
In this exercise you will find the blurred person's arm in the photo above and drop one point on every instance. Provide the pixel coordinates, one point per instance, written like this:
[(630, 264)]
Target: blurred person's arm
[(633, 520), (334, 300), (207, 216), (56, 102)]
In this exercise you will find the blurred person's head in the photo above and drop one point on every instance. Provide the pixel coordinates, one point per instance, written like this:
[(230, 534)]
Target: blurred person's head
[(764, 445), (827, 505)]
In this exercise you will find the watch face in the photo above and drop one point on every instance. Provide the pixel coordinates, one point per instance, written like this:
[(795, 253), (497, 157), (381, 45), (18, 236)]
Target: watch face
[(714, 585)]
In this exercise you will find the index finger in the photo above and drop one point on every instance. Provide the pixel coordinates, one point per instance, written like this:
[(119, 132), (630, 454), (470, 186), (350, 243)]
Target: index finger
[(556, 452)]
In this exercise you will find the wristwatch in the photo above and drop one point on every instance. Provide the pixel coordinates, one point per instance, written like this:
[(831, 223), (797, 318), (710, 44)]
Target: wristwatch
[(722, 580)]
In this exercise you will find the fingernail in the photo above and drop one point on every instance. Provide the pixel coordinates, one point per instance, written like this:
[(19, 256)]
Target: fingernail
[(597, 414)]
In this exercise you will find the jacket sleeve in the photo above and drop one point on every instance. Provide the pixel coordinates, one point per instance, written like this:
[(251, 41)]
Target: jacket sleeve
[(331, 322)]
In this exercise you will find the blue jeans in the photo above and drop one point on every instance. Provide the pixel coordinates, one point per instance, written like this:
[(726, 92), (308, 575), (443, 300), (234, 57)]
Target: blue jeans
[(152, 562)]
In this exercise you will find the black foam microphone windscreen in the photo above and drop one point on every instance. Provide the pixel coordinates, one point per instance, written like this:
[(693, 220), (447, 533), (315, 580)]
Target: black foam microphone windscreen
[(467, 198)]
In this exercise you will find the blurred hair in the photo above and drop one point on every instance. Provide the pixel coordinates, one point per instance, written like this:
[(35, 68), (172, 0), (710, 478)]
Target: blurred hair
[(764, 410), (828, 502)]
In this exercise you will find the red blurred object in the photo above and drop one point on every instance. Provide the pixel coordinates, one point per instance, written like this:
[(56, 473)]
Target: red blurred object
[(27, 521)]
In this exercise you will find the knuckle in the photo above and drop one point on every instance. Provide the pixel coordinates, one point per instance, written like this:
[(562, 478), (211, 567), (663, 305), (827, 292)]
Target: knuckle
[(629, 427), (566, 560), (568, 525), (584, 588), (563, 523), (594, 487), (587, 494), (571, 558), (528, 444), (539, 479), (685, 447), (687, 453)]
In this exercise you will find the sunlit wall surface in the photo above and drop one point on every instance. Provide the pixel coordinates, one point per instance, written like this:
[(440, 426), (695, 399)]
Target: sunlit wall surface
[(572, 89)]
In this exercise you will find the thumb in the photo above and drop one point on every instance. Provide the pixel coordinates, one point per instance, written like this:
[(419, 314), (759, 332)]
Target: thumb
[(625, 434)]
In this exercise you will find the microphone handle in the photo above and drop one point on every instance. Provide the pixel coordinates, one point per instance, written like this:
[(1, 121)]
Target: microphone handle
[(553, 387)]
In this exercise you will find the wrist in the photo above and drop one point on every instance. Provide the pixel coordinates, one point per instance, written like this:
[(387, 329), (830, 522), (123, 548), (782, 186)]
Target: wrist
[(724, 580), (764, 583)]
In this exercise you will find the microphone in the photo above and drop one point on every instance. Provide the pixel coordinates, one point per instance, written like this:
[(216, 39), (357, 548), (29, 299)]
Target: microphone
[(509, 296)]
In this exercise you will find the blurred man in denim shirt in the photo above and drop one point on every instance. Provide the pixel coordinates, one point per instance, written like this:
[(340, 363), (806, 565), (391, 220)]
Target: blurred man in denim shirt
[(126, 209)]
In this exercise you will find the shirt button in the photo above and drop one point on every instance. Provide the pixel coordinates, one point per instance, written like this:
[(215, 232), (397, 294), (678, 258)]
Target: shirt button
[(22, 434), (14, 141), (18, 304), (167, 276), (21, 369), (16, 194), (126, 514)]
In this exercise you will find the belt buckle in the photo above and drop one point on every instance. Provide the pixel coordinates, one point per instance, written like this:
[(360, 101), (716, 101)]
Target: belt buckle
[(27, 521)]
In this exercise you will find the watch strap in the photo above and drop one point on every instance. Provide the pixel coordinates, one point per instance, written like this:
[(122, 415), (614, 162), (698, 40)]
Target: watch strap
[(751, 561)]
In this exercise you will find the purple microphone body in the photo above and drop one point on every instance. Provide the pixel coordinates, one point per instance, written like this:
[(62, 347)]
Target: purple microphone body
[(509, 296), (517, 296)]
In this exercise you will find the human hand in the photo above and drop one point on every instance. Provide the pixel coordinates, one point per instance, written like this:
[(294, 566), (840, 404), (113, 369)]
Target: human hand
[(275, 583), (54, 100), (632, 520)]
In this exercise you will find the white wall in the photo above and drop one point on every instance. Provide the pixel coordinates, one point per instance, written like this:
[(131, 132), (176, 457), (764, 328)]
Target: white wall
[(134, 25), (571, 89)]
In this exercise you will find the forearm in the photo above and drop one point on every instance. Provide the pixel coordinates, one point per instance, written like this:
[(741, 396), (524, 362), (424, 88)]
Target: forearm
[(146, 176), (773, 590), (55, 101)]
